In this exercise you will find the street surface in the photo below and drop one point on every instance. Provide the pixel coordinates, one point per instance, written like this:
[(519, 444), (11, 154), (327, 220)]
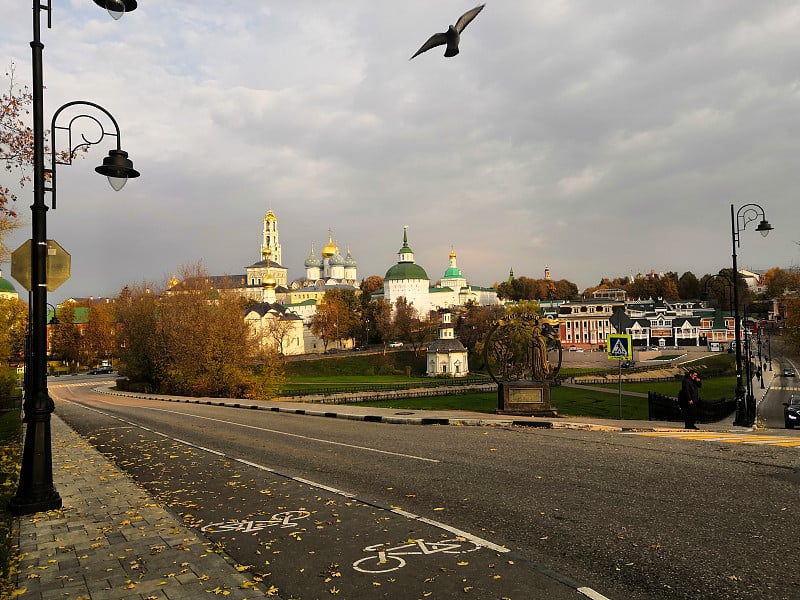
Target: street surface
[(319, 507)]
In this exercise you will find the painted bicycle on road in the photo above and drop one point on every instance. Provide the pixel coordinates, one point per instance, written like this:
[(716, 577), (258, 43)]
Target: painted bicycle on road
[(388, 559), (284, 520)]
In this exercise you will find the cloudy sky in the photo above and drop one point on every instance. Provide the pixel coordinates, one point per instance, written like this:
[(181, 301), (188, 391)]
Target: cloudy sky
[(597, 137)]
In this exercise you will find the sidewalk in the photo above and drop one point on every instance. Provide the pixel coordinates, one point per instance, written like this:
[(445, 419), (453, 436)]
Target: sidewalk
[(111, 541)]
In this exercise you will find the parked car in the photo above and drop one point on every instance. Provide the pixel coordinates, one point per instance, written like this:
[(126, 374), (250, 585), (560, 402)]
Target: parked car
[(791, 411), (628, 364), (395, 344), (788, 372), (573, 348), (101, 371)]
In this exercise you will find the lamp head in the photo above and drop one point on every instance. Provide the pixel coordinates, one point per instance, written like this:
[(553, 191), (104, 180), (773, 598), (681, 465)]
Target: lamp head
[(764, 228), (117, 8), (118, 168)]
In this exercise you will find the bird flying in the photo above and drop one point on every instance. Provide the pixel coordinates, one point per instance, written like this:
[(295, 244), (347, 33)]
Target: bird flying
[(452, 36)]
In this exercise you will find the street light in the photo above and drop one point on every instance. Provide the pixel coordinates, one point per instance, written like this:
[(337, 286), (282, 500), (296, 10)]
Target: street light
[(36, 491), (739, 220)]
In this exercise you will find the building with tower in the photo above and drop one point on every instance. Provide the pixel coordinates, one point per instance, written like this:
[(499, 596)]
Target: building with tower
[(447, 356), (408, 280)]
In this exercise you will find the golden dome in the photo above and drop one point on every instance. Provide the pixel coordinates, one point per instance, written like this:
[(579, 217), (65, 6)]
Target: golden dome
[(269, 283), (270, 216), (330, 248)]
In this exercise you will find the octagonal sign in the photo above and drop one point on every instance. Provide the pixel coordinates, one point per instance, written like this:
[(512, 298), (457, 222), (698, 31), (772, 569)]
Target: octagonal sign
[(59, 264)]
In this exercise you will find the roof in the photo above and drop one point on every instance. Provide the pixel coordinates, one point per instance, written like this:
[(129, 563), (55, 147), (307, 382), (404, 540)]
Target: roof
[(7, 286), (405, 270), (448, 345)]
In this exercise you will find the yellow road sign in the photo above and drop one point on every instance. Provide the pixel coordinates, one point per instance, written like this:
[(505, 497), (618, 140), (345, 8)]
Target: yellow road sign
[(59, 265)]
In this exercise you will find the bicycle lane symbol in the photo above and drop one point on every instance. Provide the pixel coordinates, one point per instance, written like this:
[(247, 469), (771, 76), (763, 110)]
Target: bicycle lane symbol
[(387, 559), (285, 520)]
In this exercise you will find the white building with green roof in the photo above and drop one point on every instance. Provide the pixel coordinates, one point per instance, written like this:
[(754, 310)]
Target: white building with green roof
[(409, 280), (7, 289)]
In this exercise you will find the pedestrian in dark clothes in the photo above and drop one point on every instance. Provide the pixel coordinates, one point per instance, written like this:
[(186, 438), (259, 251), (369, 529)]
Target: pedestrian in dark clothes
[(689, 397)]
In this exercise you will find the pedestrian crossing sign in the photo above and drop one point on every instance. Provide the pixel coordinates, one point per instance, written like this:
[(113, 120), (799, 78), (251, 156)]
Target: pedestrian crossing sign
[(619, 347)]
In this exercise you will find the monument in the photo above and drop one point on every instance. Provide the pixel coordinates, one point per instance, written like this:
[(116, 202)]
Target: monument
[(522, 354)]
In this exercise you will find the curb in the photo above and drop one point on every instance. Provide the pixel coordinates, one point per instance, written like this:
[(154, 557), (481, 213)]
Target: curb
[(396, 420)]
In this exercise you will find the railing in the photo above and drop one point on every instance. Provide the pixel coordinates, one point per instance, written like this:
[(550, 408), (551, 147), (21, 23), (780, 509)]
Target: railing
[(666, 408), (10, 403), (447, 385)]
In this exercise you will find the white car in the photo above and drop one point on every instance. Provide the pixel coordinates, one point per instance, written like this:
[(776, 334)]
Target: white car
[(396, 345)]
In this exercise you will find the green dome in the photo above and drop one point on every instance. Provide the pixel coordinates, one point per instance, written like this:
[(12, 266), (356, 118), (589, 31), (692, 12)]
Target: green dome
[(406, 270), (453, 273), (7, 286)]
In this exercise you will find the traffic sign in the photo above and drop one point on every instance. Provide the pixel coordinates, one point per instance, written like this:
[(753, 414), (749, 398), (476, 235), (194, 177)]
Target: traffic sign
[(59, 265), (619, 346)]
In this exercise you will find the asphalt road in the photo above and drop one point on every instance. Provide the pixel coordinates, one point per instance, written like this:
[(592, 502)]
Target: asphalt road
[(319, 505)]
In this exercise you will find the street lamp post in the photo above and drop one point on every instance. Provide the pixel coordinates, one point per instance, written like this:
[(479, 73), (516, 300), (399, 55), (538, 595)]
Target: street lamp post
[(36, 491), (739, 220)]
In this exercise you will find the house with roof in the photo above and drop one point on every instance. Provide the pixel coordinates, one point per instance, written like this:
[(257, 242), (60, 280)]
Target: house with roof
[(446, 355)]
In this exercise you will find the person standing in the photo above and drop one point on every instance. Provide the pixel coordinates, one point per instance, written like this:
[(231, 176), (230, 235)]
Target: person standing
[(689, 398)]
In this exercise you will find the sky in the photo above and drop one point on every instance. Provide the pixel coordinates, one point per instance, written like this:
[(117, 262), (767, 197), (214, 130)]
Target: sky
[(599, 138)]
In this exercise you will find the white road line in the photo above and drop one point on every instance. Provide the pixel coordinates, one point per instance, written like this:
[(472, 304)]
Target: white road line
[(295, 435), (590, 593)]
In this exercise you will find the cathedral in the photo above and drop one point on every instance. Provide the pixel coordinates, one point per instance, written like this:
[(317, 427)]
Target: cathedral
[(409, 280)]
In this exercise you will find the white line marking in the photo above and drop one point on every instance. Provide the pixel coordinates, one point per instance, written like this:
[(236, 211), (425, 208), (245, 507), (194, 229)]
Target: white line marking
[(295, 435), (590, 593)]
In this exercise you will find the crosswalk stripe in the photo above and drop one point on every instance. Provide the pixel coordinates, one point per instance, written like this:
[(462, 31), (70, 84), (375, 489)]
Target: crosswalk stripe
[(752, 439)]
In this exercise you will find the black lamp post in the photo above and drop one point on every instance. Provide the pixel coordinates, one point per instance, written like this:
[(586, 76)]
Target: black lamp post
[(739, 221), (36, 491)]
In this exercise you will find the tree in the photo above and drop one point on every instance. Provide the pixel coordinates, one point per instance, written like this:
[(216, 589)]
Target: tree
[(100, 334), (137, 320), (277, 327), (337, 316), (383, 323), (16, 139), (373, 283), (474, 322), (204, 338), (13, 327), (688, 286), (65, 339), (193, 342), (405, 317)]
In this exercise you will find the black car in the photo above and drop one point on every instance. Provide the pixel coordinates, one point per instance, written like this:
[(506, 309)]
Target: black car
[(791, 411), (101, 371), (788, 372), (628, 364)]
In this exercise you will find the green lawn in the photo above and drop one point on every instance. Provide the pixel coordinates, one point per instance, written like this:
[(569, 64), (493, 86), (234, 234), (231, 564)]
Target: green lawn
[(568, 401)]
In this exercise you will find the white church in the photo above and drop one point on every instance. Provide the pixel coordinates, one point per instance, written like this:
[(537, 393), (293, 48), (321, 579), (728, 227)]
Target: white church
[(409, 280)]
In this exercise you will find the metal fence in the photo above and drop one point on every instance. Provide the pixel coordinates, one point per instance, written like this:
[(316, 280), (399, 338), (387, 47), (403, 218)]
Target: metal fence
[(666, 408)]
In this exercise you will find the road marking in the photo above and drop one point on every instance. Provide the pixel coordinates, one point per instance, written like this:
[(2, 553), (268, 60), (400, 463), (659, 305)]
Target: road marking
[(478, 541), (284, 520), (296, 435), (752, 439)]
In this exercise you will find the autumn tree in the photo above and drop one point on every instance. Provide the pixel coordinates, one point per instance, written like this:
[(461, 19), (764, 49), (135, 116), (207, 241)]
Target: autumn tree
[(100, 334), (525, 288), (278, 326), (373, 283), (474, 323), (381, 316), (337, 316), (65, 339), (138, 342), (13, 327), (193, 342)]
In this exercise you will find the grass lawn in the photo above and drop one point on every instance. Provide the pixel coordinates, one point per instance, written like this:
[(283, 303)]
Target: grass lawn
[(567, 400), (10, 453)]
